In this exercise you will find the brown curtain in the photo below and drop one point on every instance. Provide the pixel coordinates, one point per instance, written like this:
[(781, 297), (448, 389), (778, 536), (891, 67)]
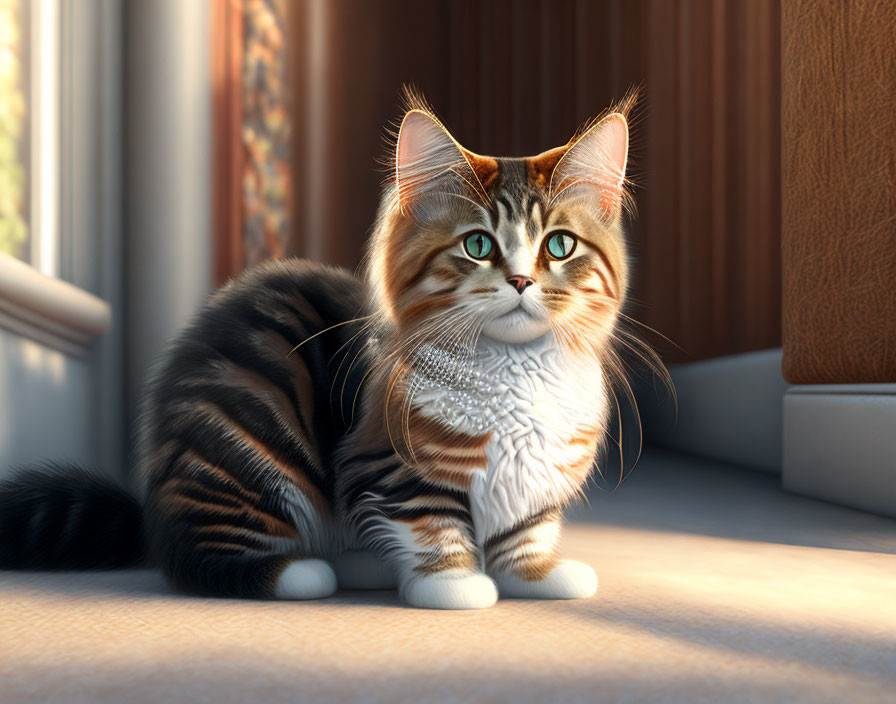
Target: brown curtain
[(513, 77)]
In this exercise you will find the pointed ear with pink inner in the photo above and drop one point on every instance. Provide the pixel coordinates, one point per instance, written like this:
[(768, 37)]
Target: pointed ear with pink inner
[(593, 167), (427, 158)]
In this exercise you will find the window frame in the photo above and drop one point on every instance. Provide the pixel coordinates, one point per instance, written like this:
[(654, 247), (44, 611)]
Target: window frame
[(44, 118), (59, 298)]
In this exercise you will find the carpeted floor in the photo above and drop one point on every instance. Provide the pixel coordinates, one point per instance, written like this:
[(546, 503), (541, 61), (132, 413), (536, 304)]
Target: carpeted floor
[(715, 587)]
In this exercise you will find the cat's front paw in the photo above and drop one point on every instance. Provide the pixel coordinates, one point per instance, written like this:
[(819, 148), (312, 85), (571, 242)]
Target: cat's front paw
[(450, 591), (568, 580)]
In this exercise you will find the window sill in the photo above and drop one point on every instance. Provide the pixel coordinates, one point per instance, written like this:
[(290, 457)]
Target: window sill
[(49, 311)]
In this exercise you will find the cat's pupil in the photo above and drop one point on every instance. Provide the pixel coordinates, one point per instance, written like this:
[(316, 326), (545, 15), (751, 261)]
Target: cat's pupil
[(478, 245), (560, 245)]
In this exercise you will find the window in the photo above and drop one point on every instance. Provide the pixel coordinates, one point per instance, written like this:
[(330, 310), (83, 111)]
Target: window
[(29, 132), (50, 191), (14, 103)]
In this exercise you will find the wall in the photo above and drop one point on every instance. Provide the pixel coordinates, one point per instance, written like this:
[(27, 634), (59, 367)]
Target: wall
[(43, 398), (515, 77), (168, 255)]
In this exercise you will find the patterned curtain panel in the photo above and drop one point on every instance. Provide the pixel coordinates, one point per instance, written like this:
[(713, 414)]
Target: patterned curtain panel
[(266, 130), (252, 189)]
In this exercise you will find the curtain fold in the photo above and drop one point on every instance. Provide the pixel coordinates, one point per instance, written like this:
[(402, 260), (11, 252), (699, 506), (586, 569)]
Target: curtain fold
[(514, 77)]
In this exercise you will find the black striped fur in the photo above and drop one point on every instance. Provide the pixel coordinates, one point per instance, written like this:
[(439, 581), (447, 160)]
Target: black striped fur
[(224, 462), (64, 517)]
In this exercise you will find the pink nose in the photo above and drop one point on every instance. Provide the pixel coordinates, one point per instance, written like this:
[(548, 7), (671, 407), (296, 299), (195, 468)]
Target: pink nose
[(520, 283)]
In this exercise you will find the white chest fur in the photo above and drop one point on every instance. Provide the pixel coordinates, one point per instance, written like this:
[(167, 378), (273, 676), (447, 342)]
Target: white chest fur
[(533, 401)]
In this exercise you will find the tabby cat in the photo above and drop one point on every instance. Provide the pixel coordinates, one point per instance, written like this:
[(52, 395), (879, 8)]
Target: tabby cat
[(423, 430)]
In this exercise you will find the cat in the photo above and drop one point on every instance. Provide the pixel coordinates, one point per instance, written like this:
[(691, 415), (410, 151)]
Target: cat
[(423, 429)]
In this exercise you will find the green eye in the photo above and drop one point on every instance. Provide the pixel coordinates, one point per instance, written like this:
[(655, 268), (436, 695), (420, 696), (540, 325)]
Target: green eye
[(479, 245), (561, 244)]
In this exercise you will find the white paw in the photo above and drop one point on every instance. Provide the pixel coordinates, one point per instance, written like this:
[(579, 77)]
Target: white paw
[(363, 570), (450, 591), (568, 580), (306, 579)]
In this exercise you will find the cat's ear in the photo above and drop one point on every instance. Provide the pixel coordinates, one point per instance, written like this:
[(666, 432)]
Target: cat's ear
[(430, 162), (593, 166)]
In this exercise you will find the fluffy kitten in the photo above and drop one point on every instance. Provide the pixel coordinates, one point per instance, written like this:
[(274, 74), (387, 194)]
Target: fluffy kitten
[(425, 430)]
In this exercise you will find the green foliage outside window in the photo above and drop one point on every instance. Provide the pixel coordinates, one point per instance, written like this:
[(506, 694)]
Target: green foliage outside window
[(13, 109)]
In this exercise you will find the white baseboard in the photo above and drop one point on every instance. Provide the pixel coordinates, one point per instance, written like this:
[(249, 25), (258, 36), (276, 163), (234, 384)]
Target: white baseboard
[(729, 409), (840, 444)]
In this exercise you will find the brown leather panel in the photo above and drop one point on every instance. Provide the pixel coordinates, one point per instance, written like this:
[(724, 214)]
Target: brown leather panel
[(839, 193)]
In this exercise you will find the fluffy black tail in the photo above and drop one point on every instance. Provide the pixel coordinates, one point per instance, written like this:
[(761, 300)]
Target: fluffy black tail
[(58, 517)]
